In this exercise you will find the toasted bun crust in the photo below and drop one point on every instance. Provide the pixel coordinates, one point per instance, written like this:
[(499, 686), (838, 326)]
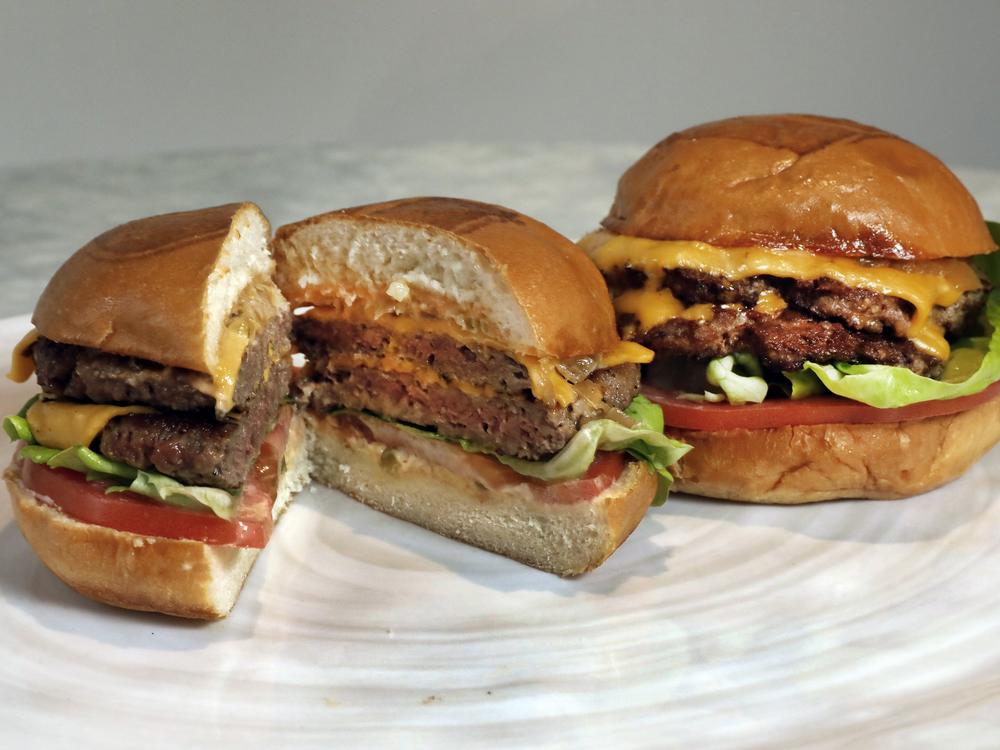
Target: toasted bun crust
[(174, 576), (806, 463), (494, 272), (158, 288), (833, 186), (562, 538)]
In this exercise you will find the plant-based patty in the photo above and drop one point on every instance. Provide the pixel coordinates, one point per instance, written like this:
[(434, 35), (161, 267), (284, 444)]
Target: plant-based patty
[(86, 374), (471, 392), (195, 447)]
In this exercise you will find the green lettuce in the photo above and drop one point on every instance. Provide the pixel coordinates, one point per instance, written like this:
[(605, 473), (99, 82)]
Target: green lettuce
[(974, 365), (123, 478), (644, 441), (745, 387), (889, 387)]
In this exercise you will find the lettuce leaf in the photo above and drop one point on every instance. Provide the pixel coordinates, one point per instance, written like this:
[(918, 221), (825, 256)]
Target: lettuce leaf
[(645, 441), (171, 492), (887, 387), (746, 387), (973, 366), (989, 265), (96, 467)]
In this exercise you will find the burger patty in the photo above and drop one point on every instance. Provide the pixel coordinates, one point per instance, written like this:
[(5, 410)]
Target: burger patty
[(195, 447), (514, 426), (85, 374), (825, 321), (479, 365), (477, 393), (782, 342)]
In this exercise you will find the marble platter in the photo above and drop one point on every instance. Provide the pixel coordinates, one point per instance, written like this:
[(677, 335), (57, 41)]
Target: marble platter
[(716, 625), (861, 624)]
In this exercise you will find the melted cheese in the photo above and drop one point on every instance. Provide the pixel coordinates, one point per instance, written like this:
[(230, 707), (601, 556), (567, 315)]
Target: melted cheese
[(626, 353), (232, 344), (546, 383), (21, 363), (924, 285), (770, 303), (651, 307), (424, 375), (62, 424)]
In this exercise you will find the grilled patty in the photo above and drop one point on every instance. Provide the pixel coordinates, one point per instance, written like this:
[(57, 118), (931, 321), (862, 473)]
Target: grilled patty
[(195, 447), (184, 440), (825, 321), (84, 374), (476, 393)]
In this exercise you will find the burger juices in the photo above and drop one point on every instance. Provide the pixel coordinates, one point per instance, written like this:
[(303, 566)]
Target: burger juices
[(784, 257)]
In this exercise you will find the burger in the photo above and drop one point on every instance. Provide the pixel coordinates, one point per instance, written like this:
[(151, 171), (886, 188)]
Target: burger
[(819, 295), (160, 450), (464, 372)]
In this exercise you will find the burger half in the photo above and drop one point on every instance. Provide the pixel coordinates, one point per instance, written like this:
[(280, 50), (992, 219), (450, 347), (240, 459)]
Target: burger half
[(819, 295), (465, 374), (160, 451)]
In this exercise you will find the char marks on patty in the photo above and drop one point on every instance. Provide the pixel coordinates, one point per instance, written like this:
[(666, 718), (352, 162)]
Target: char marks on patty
[(425, 378), (826, 321)]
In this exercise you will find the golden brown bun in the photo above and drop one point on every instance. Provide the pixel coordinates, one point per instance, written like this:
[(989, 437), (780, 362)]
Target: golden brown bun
[(834, 186), (807, 463), (146, 288), (493, 271), (562, 538), (152, 574)]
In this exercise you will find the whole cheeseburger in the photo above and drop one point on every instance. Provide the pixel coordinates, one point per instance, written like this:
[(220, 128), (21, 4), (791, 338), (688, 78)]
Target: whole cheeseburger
[(818, 293)]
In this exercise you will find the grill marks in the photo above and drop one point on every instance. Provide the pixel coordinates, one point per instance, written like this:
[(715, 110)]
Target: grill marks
[(475, 393), (825, 321)]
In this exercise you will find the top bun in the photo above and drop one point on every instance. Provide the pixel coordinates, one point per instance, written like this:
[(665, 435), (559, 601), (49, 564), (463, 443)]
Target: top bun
[(497, 274), (832, 186), (162, 288)]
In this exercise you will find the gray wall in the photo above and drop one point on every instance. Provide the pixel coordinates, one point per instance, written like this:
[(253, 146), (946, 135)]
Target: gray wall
[(94, 79)]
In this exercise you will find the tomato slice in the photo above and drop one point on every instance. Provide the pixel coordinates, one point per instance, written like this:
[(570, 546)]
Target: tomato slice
[(603, 473), (484, 469), (126, 511), (709, 417)]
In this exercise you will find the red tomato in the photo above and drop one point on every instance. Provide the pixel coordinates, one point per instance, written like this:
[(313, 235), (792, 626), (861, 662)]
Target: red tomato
[(603, 473), (709, 417), (126, 511)]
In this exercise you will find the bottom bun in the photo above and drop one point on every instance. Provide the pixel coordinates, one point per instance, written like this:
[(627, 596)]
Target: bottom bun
[(808, 463), (562, 538), (177, 577)]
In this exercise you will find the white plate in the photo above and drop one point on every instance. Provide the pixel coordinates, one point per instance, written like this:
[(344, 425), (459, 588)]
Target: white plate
[(716, 625)]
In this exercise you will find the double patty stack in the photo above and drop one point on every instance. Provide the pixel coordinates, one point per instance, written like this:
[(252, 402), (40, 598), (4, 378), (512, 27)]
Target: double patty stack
[(184, 439)]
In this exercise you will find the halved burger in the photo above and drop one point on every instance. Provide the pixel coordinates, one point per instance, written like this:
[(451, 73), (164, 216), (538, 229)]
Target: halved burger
[(153, 464), (465, 373), (819, 295)]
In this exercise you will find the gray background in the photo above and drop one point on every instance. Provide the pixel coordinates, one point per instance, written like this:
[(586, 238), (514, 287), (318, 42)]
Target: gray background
[(94, 79)]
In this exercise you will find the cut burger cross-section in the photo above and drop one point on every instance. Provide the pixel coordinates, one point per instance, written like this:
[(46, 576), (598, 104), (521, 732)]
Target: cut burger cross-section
[(464, 373), (157, 456)]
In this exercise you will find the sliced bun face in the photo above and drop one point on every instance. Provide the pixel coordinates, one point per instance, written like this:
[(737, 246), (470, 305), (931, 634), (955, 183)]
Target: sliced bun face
[(164, 288), (498, 275), (567, 539), (176, 577), (807, 463), (832, 186)]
